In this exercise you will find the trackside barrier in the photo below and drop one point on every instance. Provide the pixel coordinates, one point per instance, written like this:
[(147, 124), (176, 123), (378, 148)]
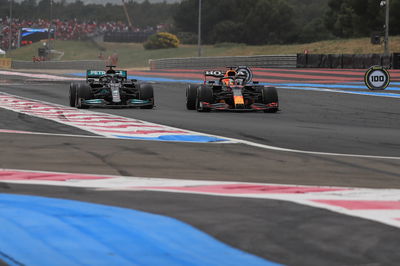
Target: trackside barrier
[(360, 61), (278, 61), (78, 64), (348, 61), (5, 62)]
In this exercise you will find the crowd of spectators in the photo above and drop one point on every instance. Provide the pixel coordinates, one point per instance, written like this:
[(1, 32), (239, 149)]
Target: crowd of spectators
[(64, 29)]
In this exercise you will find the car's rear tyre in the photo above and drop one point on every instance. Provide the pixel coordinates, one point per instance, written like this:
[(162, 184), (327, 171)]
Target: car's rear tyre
[(83, 92), (270, 95), (191, 94), (204, 94), (72, 94), (146, 93)]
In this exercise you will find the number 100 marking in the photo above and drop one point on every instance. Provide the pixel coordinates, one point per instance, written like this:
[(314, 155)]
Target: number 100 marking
[(377, 78)]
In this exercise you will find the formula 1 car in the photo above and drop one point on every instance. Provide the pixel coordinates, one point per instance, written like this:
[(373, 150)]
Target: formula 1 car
[(110, 88), (233, 90)]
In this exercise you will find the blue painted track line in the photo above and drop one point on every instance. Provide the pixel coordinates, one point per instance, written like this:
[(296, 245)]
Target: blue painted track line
[(335, 86), (368, 93), (46, 231), (180, 138)]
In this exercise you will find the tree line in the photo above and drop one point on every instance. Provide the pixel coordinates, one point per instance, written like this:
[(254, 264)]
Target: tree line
[(286, 21), (241, 21)]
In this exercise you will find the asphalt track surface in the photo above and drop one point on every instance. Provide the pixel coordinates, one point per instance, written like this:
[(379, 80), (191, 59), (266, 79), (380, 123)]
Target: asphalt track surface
[(278, 231)]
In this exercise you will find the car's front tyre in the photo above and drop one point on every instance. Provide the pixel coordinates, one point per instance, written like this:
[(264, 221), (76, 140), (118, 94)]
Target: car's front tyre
[(191, 94), (204, 94), (72, 94), (146, 93), (270, 95), (83, 92)]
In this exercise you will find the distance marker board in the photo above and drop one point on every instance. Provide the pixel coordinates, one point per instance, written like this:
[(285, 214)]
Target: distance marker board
[(377, 78)]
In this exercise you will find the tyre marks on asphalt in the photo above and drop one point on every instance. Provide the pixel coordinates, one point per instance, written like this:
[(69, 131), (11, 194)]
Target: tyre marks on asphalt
[(102, 124), (380, 205)]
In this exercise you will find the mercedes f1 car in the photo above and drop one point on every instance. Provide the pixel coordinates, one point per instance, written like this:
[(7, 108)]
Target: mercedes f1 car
[(110, 88), (233, 90)]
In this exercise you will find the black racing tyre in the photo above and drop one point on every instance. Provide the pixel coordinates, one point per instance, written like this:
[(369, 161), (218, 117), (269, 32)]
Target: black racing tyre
[(146, 93), (270, 95), (204, 94), (83, 92), (72, 94), (191, 94)]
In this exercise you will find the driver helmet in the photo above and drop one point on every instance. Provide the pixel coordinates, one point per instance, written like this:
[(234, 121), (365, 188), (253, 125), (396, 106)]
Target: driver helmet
[(229, 77), (230, 73)]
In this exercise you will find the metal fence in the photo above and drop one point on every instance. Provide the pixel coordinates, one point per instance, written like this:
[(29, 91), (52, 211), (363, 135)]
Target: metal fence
[(78, 64), (274, 61)]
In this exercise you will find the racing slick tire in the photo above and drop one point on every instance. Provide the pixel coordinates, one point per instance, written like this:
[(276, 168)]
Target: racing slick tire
[(191, 94), (146, 93), (270, 95), (204, 94), (72, 94), (83, 92)]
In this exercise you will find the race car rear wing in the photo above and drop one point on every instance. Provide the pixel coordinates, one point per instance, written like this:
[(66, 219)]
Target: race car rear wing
[(241, 71), (95, 74), (214, 73)]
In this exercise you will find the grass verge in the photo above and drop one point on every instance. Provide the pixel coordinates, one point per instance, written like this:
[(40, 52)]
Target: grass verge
[(133, 55)]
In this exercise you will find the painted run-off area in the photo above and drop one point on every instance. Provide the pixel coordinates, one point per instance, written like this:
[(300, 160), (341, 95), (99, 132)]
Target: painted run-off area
[(381, 205)]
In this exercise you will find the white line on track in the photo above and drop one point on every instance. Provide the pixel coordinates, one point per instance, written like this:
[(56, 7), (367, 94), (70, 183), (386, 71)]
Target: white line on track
[(7, 131), (263, 146), (39, 76), (228, 140), (232, 141)]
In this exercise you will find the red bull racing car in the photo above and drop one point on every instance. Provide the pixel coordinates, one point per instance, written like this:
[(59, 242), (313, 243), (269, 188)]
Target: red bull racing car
[(231, 90), (110, 88)]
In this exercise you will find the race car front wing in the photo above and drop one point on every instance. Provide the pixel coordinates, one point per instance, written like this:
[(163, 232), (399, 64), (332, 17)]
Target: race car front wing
[(129, 103), (237, 108)]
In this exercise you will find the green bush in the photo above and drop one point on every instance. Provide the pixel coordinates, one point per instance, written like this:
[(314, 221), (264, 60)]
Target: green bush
[(161, 40)]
